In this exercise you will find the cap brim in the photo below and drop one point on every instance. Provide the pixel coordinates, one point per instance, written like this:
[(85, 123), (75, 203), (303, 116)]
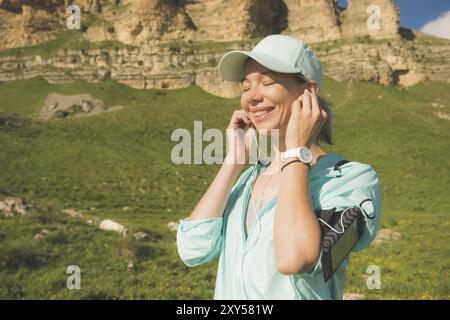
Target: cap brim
[(232, 65)]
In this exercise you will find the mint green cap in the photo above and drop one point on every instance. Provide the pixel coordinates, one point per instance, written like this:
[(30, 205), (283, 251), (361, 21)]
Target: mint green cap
[(276, 52)]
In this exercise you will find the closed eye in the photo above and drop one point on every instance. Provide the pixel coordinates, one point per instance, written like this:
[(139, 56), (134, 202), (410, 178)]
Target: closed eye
[(265, 84)]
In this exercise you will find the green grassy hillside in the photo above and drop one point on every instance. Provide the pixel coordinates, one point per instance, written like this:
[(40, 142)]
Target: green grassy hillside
[(103, 163)]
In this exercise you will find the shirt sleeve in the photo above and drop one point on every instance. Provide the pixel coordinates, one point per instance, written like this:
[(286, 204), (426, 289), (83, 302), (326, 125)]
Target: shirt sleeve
[(199, 241), (358, 187), (364, 193)]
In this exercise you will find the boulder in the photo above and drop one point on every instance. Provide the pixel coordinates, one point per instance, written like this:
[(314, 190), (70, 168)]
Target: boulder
[(173, 226), (385, 235), (73, 213), (110, 225), (353, 296), (12, 206), (41, 235), (140, 236), (61, 106)]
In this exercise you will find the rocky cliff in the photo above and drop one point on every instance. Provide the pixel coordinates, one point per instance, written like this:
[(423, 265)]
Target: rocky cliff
[(177, 43), (138, 22)]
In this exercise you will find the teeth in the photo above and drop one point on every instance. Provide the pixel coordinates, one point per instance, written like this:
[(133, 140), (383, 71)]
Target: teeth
[(261, 113)]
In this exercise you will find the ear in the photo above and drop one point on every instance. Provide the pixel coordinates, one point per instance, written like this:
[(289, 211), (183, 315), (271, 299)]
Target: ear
[(312, 85)]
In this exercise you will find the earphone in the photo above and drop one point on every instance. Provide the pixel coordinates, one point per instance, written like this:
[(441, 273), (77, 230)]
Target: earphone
[(256, 140), (342, 223), (251, 194), (255, 168)]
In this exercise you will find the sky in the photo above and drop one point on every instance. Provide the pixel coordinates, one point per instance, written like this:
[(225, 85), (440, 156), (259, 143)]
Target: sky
[(429, 16)]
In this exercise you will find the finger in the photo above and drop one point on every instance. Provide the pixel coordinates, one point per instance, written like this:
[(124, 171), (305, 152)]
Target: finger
[(242, 113), (315, 103), (246, 119), (296, 106), (247, 116), (250, 137), (306, 102), (242, 116), (251, 133)]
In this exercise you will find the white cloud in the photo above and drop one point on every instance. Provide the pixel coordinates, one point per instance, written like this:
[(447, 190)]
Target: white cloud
[(439, 27)]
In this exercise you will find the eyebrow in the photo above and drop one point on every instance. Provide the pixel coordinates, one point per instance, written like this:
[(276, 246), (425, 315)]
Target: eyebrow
[(266, 72)]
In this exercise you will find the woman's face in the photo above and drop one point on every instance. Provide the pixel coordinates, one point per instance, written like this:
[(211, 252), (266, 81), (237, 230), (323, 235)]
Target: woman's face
[(267, 96)]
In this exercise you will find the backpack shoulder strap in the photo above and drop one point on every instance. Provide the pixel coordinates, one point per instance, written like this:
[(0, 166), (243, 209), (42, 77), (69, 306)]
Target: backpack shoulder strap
[(340, 163), (337, 166)]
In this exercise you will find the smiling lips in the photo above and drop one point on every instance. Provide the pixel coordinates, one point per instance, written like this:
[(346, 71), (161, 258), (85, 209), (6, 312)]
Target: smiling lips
[(262, 113)]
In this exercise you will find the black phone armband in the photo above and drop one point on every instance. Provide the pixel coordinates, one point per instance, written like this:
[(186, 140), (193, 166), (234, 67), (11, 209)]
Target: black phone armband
[(340, 231)]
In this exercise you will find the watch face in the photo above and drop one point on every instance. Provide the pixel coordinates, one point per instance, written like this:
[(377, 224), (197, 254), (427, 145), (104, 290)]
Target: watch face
[(305, 155)]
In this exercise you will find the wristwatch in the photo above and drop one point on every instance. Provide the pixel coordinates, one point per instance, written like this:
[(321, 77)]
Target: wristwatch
[(302, 153)]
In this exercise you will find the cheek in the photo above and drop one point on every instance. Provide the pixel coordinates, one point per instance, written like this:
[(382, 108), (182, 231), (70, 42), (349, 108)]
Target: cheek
[(245, 105), (277, 95), (243, 101), (284, 113), (281, 96)]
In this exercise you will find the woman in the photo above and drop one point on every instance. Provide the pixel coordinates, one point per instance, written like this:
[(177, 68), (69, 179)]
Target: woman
[(264, 226)]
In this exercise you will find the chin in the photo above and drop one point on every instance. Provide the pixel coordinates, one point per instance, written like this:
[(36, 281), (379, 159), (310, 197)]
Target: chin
[(267, 127)]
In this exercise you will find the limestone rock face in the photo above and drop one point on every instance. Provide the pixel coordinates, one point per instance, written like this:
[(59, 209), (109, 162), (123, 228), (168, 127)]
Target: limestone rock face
[(220, 20), (16, 5), (146, 20), (93, 6), (378, 19), (393, 62), (210, 81), (313, 21), (323, 20), (25, 23), (177, 43)]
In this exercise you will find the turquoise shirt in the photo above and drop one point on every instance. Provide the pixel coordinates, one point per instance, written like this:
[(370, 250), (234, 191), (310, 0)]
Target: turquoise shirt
[(247, 267)]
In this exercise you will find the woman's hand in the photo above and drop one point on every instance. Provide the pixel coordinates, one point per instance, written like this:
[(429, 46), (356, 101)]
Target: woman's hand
[(240, 136), (306, 121)]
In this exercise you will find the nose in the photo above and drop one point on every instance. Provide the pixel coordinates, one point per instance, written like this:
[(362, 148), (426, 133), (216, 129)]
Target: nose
[(254, 97)]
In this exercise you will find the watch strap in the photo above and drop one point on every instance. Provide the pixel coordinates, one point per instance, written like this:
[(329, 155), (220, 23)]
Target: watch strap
[(292, 161)]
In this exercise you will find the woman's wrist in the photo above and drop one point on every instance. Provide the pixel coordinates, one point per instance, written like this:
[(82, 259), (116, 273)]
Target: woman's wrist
[(235, 160), (298, 143)]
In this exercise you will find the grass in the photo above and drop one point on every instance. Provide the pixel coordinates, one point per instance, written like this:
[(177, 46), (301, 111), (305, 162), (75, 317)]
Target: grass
[(109, 161), (67, 40), (209, 46), (47, 49)]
